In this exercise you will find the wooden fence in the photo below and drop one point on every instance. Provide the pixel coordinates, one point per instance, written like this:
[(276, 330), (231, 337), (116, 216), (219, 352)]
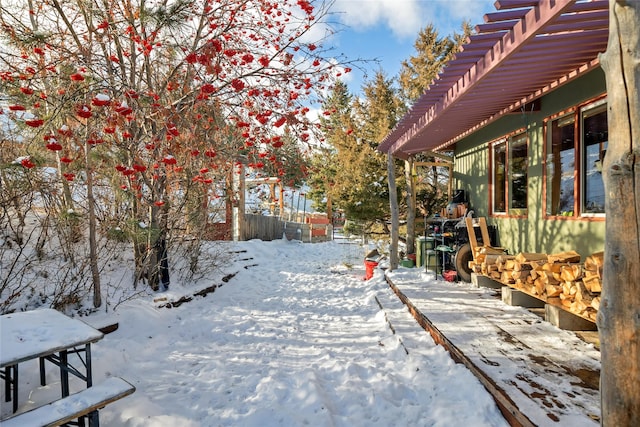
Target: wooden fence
[(269, 228)]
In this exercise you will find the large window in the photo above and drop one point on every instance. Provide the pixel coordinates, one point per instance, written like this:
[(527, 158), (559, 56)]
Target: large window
[(510, 175), (574, 184)]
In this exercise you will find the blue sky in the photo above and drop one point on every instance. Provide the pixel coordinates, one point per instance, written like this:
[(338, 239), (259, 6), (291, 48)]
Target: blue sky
[(387, 29)]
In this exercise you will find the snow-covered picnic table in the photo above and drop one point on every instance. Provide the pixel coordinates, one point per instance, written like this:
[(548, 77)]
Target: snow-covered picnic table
[(46, 335)]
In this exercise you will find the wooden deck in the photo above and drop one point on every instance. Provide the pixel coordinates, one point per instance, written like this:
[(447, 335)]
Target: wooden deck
[(539, 375)]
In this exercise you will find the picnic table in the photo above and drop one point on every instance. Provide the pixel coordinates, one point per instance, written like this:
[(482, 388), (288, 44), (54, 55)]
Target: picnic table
[(49, 336)]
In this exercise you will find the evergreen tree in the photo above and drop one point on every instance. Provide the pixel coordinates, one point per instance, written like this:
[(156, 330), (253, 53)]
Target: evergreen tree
[(381, 108), (416, 74), (337, 126), (432, 54), (353, 129)]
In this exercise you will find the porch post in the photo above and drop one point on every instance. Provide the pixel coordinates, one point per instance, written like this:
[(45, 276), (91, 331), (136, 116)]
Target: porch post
[(393, 203)]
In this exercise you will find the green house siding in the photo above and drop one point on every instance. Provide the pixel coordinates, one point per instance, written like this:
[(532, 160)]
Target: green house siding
[(533, 233)]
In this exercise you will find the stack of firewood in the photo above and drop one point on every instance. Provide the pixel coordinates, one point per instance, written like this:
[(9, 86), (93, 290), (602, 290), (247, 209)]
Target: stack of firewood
[(557, 279)]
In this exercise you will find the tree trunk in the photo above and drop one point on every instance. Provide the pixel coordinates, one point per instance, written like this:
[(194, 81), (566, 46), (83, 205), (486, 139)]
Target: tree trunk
[(158, 268), (411, 206), (93, 250), (619, 314), (395, 223)]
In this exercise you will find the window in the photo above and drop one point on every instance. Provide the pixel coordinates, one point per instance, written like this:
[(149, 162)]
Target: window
[(509, 175), (499, 202), (575, 187), (518, 167), (595, 136), (561, 166)]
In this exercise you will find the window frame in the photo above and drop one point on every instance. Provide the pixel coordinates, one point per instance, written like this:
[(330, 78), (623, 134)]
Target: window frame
[(577, 113), (547, 129), (507, 141)]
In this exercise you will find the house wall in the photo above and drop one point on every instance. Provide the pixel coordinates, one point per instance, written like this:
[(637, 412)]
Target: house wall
[(533, 233)]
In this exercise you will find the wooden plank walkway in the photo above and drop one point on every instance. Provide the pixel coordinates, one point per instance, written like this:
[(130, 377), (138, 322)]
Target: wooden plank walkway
[(538, 374)]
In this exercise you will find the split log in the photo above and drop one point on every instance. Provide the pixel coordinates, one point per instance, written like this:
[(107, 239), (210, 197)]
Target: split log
[(571, 272), (554, 267), (594, 262), (521, 266), (592, 282), (553, 290), (579, 307), (566, 300), (519, 275), (491, 259), (547, 278), (523, 257), (506, 278), (582, 294), (567, 257)]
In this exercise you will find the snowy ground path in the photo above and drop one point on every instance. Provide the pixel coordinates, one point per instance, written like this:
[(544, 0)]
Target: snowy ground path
[(294, 338)]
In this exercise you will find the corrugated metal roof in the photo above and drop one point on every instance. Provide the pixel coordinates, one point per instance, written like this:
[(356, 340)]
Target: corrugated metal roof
[(523, 50)]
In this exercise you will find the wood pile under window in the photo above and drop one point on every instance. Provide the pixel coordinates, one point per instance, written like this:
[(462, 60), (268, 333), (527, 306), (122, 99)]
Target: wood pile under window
[(559, 279)]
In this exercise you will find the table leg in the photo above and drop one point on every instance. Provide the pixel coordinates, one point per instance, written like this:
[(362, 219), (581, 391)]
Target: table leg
[(87, 357), (15, 388), (64, 373), (43, 380), (11, 385), (94, 420), (7, 383)]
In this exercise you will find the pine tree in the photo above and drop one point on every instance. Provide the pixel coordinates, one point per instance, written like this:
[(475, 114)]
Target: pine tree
[(328, 161), (432, 54), (417, 73), (353, 129)]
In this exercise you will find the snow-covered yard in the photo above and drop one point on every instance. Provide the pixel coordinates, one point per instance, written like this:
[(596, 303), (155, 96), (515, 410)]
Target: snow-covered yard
[(292, 337)]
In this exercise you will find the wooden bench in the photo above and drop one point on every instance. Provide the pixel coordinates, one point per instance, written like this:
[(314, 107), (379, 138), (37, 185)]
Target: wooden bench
[(75, 406)]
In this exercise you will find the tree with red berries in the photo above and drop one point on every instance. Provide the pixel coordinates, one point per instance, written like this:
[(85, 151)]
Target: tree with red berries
[(161, 100)]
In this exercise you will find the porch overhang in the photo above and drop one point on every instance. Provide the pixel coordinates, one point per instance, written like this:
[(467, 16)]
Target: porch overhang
[(524, 50)]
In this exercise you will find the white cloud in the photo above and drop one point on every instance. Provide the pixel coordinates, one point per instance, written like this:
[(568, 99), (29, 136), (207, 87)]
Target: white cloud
[(401, 16), (405, 18)]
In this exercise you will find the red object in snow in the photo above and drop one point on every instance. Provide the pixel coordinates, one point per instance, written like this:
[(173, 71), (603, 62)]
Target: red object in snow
[(450, 275), (369, 266)]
